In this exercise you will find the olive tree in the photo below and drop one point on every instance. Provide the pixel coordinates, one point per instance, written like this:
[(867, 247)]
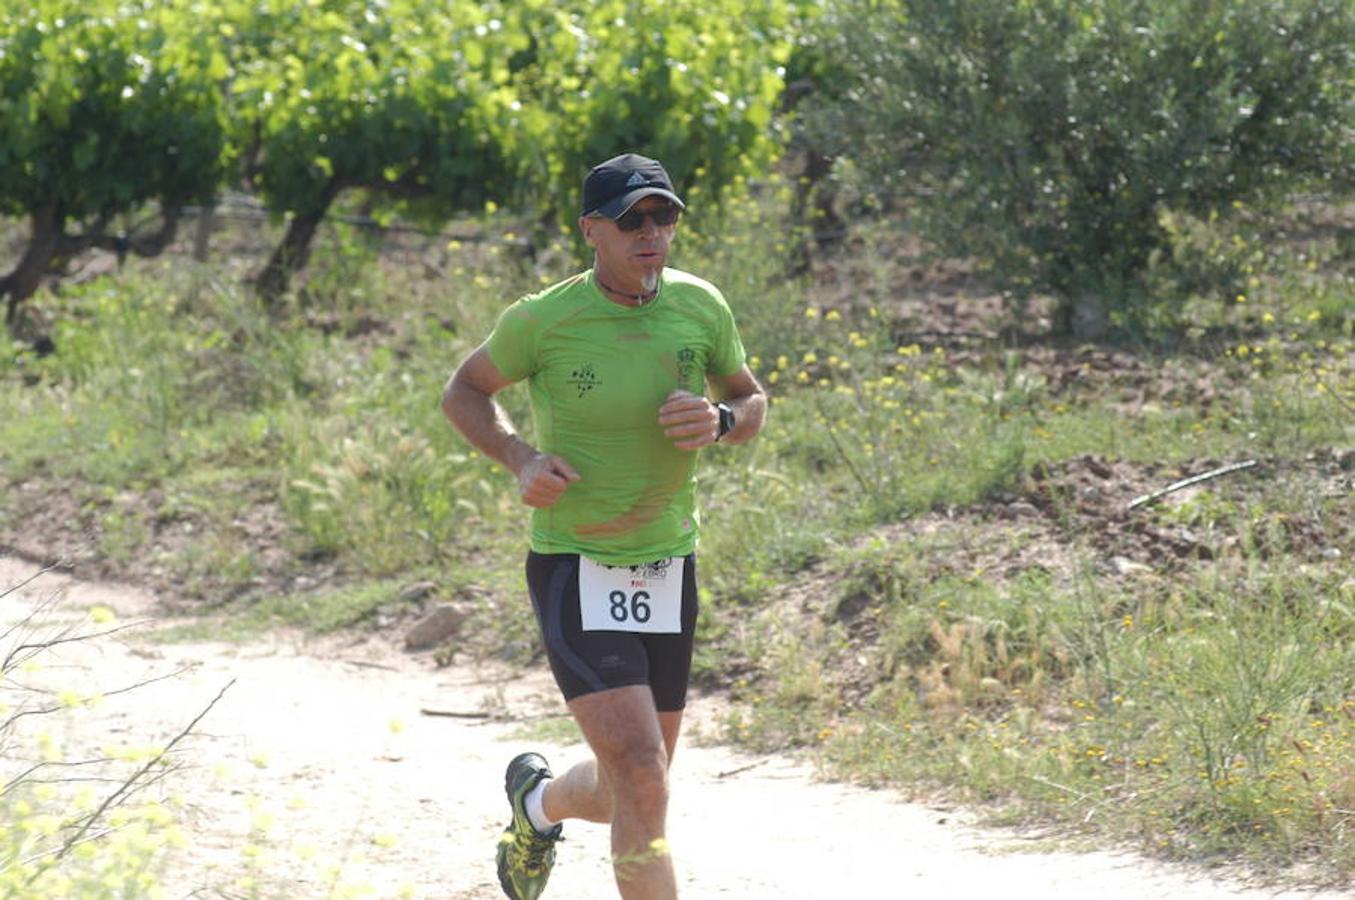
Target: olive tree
[(1044, 139)]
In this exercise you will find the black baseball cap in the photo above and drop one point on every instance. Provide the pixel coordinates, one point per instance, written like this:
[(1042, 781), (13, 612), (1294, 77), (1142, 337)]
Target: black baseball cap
[(614, 186)]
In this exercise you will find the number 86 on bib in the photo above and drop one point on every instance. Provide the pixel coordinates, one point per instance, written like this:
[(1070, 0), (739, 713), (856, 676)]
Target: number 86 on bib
[(643, 599)]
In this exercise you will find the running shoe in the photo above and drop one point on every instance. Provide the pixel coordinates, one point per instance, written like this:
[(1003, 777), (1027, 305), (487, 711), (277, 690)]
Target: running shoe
[(525, 855)]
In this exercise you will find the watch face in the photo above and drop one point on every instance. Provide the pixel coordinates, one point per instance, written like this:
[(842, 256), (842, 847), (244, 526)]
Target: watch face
[(726, 418)]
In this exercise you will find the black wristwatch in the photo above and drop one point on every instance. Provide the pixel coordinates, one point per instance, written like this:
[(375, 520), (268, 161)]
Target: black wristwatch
[(726, 419)]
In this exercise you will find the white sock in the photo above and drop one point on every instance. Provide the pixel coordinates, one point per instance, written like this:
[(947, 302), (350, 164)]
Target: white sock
[(536, 813)]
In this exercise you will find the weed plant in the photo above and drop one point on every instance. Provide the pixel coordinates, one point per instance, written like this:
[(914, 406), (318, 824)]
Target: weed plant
[(73, 822)]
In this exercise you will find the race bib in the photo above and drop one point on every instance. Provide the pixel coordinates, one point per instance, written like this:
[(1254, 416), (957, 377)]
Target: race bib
[(646, 598)]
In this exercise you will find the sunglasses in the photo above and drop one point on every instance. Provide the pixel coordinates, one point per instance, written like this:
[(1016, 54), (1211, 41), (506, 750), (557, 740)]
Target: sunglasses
[(633, 219)]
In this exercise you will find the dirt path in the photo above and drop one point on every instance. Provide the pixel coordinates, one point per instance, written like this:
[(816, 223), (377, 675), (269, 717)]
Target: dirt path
[(317, 774)]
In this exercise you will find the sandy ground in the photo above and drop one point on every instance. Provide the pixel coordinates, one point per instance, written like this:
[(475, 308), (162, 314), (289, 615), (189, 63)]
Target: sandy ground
[(319, 774)]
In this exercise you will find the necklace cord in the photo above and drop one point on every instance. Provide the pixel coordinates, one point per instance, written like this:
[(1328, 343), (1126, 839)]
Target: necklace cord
[(641, 298)]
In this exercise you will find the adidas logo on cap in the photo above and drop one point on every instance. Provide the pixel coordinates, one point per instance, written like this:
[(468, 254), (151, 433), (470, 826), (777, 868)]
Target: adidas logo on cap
[(637, 180)]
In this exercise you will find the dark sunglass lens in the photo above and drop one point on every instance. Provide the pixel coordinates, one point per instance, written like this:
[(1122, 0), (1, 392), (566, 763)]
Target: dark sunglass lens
[(632, 219)]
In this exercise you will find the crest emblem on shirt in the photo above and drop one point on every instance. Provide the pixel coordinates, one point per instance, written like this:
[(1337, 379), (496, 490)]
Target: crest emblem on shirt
[(585, 378), (686, 368)]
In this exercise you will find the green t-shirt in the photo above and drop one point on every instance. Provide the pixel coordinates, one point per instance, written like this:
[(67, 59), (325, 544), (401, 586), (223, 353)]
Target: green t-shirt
[(598, 373)]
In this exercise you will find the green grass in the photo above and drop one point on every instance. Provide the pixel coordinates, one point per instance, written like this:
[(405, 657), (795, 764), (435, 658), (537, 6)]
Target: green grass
[(560, 729), (863, 599), (1223, 690), (319, 612)]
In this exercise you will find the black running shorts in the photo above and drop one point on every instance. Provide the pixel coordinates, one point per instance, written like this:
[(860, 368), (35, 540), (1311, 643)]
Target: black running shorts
[(585, 662)]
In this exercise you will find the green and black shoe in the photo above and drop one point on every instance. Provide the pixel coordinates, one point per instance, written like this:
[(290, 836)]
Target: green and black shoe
[(525, 856)]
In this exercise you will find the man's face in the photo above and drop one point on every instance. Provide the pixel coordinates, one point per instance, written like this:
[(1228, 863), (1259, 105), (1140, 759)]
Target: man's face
[(637, 255)]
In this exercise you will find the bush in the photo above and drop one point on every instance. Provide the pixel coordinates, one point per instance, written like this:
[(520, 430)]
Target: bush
[(1045, 139)]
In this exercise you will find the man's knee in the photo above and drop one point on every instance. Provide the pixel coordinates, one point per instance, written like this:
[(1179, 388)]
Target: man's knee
[(639, 773)]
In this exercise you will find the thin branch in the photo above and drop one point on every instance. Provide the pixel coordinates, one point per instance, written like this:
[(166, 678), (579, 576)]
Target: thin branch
[(1072, 792), (22, 777), (69, 245), (1187, 482), (89, 838), (113, 693), (92, 779), (130, 783), (364, 664), (842, 451), (729, 773), (25, 583), (166, 770), (64, 636), (453, 714), (42, 605), (58, 852)]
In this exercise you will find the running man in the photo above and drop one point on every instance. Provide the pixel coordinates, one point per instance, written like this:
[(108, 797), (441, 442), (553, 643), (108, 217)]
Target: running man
[(618, 360)]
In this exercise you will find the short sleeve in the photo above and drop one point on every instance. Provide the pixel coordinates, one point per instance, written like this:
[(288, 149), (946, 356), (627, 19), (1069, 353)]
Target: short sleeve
[(512, 344), (729, 354)]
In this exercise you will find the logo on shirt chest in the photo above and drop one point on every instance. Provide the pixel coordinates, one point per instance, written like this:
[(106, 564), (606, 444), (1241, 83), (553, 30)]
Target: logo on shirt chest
[(686, 369), (585, 378)]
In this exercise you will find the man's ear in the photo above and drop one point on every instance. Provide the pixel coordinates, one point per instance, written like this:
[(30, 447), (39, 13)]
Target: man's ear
[(586, 226)]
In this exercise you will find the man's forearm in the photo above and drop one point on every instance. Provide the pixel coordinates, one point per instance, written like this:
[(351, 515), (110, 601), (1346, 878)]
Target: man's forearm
[(485, 425), (749, 413)]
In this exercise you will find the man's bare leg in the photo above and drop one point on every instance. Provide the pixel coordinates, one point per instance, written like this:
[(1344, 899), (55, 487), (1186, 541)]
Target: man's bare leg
[(582, 793), (626, 784)]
